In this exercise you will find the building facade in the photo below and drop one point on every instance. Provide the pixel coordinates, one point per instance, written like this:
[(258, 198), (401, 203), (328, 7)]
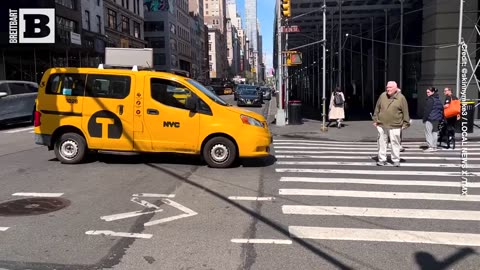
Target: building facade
[(124, 20), (251, 31), (215, 14), (93, 32), (198, 42)]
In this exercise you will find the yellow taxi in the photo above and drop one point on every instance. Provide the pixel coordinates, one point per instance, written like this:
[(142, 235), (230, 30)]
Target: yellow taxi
[(83, 109)]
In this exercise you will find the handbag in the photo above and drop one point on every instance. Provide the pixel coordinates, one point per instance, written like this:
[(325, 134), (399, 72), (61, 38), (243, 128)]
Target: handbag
[(453, 110)]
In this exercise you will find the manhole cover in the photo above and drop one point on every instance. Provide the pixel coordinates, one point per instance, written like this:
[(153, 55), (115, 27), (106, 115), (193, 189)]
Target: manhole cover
[(32, 206)]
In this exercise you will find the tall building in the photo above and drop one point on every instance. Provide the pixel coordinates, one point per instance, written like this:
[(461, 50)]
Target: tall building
[(251, 31), (167, 31), (215, 14), (93, 32), (198, 41), (233, 41), (124, 21)]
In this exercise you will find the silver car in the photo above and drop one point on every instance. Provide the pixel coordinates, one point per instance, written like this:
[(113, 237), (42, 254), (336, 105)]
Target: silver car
[(17, 100)]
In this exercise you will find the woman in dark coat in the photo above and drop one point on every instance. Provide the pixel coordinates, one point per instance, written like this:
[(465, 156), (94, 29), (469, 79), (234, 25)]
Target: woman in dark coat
[(432, 116)]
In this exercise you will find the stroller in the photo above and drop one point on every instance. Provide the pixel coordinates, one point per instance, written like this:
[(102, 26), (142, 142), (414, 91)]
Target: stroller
[(445, 135)]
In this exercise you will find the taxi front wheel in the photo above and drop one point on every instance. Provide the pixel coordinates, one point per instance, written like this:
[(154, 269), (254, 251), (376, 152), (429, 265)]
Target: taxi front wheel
[(70, 148), (220, 152)]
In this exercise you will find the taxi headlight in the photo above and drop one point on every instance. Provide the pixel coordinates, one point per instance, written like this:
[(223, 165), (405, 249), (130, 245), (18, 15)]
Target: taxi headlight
[(250, 121)]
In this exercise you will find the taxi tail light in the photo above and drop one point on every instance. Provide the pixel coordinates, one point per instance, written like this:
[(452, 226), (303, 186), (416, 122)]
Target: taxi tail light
[(36, 119)]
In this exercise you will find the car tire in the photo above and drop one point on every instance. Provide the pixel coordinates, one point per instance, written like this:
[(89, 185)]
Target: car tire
[(70, 148), (219, 152)]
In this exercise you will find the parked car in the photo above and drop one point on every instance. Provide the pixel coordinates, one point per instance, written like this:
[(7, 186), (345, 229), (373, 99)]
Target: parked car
[(249, 97), (17, 101)]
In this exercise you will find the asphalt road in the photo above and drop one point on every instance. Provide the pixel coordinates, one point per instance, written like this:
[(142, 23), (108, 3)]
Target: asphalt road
[(318, 206)]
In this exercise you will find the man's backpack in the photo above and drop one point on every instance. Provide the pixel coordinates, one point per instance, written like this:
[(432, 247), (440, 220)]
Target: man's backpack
[(338, 100)]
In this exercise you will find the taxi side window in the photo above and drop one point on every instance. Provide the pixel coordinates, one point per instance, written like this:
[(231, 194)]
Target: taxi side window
[(169, 93), (66, 84), (108, 86)]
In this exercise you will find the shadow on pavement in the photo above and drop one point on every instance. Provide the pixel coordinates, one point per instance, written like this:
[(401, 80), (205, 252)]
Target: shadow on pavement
[(426, 261)]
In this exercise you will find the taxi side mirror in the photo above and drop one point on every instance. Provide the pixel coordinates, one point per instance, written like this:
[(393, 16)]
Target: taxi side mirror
[(191, 103)]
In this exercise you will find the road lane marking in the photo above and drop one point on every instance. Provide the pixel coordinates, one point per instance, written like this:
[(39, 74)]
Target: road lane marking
[(240, 198), (2, 229), (381, 195), (374, 172), (154, 195), (380, 212), (262, 241), (377, 182), (144, 203), (187, 213), (120, 234), (379, 235), (403, 155), (129, 215), (370, 157), (344, 163), (18, 130), (36, 194)]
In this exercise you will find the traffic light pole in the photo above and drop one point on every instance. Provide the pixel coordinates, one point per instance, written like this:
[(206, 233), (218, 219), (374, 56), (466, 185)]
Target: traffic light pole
[(280, 117), (324, 63)]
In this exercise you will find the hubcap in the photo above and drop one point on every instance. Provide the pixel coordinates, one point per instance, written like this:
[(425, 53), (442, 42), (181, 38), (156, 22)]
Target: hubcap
[(219, 153), (69, 149)]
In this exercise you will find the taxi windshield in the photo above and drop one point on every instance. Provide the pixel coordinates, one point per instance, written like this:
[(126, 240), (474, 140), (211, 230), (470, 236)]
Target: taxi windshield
[(208, 93)]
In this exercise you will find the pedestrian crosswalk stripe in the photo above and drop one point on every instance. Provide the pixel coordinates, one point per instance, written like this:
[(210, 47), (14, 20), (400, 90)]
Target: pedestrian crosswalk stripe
[(342, 163), (382, 182), (459, 143), (359, 149), (380, 212), (380, 195), (440, 152), (2, 229), (374, 172), (381, 235), (369, 157)]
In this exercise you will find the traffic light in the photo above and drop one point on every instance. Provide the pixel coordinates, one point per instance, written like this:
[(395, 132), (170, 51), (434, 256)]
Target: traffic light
[(294, 58), (286, 10)]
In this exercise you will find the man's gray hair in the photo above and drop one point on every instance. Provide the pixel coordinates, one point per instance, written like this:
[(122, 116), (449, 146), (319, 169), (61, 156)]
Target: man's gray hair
[(393, 83)]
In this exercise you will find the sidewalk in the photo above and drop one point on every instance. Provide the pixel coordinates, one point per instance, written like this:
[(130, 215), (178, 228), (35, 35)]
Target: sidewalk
[(352, 131)]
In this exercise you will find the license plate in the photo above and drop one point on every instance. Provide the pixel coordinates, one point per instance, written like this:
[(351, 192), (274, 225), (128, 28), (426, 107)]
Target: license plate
[(249, 102)]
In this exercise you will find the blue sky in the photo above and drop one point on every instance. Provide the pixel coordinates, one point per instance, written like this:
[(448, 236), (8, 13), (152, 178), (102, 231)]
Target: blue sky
[(265, 14)]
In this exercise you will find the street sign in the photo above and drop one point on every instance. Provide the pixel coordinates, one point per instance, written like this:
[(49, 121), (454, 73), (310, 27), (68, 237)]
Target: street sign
[(290, 29)]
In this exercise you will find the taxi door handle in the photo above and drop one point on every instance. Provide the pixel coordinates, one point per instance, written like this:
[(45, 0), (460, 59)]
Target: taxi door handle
[(120, 109), (152, 111)]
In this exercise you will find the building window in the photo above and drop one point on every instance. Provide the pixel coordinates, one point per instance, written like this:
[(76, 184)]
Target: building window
[(112, 19), (123, 3), (210, 57), (99, 24), (128, 4), (210, 46), (157, 26), (125, 25), (136, 29), (134, 7), (66, 24), (156, 42), (98, 2), (66, 3), (138, 7), (87, 19), (159, 59)]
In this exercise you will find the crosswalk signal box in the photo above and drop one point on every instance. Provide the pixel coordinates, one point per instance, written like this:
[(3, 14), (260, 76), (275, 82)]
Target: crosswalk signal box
[(294, 58)]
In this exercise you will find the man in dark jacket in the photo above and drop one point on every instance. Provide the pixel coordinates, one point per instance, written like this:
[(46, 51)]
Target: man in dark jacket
[(432, 116)]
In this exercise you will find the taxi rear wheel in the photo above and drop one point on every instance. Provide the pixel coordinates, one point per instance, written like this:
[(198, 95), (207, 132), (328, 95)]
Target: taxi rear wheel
[(220, 152), (70, 148)]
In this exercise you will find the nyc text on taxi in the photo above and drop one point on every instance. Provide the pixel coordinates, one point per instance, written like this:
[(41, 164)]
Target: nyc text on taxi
[(82, 109)]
